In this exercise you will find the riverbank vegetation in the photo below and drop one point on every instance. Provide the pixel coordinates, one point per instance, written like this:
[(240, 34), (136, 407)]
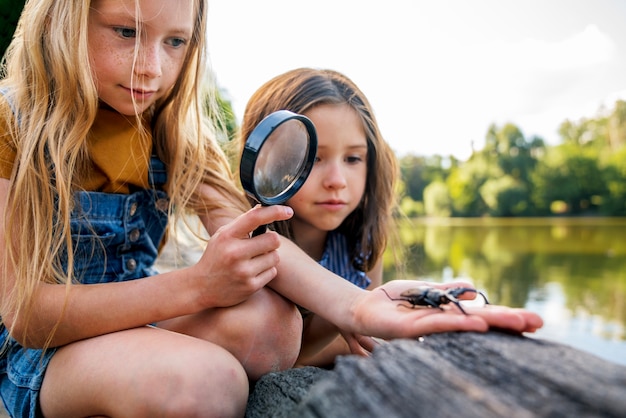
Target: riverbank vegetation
[(513, 175)]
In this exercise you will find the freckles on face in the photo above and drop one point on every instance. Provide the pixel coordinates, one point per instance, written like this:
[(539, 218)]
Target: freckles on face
[(105, 58), (137, 49)]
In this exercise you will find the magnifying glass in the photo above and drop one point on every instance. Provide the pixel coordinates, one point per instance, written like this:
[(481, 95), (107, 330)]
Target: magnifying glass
[(277, 158)]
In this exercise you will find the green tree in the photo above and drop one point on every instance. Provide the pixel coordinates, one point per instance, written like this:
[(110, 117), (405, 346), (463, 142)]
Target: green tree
[(10, 11), (568, 175), (506, 196), (419, 171), (614, 177), (509, 149), (617, 126), (464, 182), (508, 158), (588, 134), (437, 200)]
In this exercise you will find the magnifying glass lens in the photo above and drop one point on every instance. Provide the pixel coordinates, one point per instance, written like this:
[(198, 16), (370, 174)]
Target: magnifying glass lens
[(278, 157), (281, 160)]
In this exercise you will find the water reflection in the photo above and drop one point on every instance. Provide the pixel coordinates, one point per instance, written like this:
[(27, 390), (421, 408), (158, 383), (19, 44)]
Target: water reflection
[(570, 271)]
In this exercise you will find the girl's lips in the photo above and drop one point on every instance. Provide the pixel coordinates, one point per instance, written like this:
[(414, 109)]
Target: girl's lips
[(139, 94), (332, 204)]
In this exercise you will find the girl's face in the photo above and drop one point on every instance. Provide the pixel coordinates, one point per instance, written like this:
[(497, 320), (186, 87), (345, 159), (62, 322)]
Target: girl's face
[(336, 184), (137, 54)]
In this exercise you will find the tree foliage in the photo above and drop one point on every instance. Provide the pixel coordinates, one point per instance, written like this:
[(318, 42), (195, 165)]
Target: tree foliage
[(518, 176), (437, 200), (511, 176), (10, 11)]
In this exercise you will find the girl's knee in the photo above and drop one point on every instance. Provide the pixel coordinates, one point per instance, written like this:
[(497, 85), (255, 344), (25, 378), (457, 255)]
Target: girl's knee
[(274, 333), (263, 333), (281, 317), (204, 384)]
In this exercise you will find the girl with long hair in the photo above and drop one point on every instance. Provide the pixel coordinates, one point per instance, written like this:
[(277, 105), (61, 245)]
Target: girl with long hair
[(344, 211)]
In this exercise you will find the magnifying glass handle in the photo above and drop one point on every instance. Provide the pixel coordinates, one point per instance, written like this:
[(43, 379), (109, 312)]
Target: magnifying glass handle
[(260, 230)]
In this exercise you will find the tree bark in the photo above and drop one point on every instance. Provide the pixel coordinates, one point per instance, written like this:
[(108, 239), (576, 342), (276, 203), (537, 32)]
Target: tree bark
[(450, 375)]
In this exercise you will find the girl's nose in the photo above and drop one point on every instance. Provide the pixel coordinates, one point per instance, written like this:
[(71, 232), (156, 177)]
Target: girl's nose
[(334, 177), (148, 63)]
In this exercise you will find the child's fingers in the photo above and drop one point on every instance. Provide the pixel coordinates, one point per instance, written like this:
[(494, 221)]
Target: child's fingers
[(259, 216), (503, 317)]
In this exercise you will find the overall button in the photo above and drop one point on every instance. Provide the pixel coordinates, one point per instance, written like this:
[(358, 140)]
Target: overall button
[(133, 209), (162, 204), (134, 235), (131, 264)]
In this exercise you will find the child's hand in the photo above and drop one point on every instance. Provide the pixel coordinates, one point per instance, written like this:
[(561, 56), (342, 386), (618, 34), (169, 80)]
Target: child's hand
[(378, 316), (233, 265), (359, 344)]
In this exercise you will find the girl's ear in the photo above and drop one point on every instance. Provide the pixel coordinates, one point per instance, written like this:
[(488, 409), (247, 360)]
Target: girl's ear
[(10, 11)]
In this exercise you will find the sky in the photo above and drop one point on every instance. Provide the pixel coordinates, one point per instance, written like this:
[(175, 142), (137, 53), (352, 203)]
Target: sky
[(438, 73)]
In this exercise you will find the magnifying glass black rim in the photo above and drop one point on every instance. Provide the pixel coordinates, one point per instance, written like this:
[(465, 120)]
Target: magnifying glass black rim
[(253, 145)]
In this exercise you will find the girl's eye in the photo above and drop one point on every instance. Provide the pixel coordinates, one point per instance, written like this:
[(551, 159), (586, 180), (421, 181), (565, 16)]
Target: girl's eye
[(126, 32), (177, 42), (354, 159)]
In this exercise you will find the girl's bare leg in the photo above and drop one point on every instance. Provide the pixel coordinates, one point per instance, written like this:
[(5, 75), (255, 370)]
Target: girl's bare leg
[(144, 372), (264, 333), (321, 343)]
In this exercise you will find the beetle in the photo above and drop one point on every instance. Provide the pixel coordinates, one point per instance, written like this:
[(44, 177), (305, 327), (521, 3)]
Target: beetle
[(434, 297)]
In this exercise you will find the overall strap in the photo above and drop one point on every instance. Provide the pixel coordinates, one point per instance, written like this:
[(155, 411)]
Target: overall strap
[(4, 92), (157, 173)]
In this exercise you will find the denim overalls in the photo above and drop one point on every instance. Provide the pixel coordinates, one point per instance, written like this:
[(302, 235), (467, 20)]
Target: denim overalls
[(116, 238)]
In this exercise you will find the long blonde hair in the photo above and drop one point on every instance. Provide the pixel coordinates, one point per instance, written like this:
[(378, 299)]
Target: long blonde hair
[(54, 102)]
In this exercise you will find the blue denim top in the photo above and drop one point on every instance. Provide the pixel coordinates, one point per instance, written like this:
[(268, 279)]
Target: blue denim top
[(336, 258), (116, 237)]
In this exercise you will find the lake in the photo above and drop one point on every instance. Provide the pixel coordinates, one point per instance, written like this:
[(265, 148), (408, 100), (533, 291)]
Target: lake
[(571, 271)]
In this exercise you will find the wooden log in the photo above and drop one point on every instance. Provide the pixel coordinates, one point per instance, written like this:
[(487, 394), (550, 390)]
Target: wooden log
[(450, 375)]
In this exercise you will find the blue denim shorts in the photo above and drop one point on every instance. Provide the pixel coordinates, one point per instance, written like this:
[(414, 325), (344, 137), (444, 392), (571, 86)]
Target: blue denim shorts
[(24, 371)]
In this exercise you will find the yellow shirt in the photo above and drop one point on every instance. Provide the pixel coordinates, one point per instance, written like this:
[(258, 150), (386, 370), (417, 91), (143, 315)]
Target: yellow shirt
[(119, 154)]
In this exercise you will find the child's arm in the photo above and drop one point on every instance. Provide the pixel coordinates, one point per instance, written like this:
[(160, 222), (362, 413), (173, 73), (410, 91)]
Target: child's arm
[(376, 275), (232, 268), (363, 312), (371, 313), (318, 351)]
